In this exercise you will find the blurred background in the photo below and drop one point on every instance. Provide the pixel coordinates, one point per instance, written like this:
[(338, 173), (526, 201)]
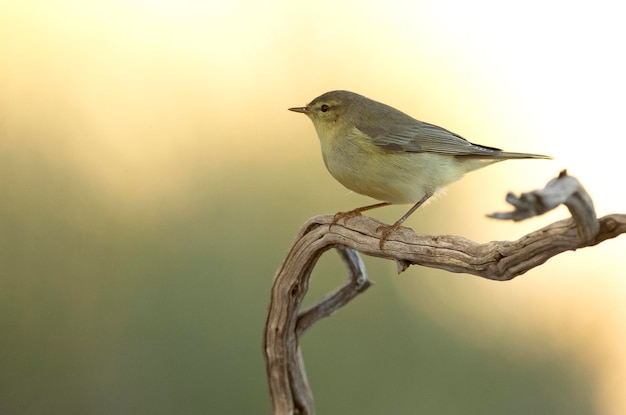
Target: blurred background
[(151, 181)]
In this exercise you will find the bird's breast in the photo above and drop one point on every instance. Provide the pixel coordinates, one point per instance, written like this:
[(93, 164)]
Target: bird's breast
[(394, 177)]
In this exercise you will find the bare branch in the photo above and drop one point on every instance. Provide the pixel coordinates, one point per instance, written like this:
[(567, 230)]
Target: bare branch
[(498, 260), (356, 284), (285, 367), (564, 190)]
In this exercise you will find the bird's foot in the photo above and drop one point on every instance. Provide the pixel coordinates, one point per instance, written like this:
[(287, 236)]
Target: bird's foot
[(344, 216), (386, 230)]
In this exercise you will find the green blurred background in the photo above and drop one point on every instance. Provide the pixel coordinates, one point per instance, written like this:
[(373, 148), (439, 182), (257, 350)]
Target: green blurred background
[(151, 182)]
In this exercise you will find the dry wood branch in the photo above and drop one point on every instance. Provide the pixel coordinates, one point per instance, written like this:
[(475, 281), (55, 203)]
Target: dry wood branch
[(564, 190), (357, 283), (493, 260)]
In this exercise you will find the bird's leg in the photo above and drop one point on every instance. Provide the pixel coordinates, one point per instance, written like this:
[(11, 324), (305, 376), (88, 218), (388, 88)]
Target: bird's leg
[(355, 212), (386, 230)]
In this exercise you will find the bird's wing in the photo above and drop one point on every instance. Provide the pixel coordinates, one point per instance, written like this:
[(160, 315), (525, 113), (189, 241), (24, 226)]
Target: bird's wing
[(421, 137)]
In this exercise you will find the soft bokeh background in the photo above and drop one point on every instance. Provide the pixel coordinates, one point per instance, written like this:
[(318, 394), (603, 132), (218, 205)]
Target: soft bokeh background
[(151, 181)]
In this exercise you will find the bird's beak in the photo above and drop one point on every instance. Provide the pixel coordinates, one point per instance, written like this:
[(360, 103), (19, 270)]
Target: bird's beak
[(303, 110)]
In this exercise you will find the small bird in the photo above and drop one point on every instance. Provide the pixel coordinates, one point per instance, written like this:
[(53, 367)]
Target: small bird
[(378, 151)]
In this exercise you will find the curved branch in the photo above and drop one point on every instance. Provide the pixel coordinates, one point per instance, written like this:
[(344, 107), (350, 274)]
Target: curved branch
[(564, 190), (497, 260), (357, 283)]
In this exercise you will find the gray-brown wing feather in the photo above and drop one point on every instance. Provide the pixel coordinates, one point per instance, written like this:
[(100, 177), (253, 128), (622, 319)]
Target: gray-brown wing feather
[(421, 137)]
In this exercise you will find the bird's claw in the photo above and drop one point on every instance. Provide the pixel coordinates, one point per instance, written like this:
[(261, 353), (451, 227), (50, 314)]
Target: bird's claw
[(344, 216), (386, 230)]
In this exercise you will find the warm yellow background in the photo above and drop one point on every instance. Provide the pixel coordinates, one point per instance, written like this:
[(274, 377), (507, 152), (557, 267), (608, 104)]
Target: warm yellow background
[(151, 181)]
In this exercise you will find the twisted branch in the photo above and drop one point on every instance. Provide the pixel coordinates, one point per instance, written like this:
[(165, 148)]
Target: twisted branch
[(497, 260)]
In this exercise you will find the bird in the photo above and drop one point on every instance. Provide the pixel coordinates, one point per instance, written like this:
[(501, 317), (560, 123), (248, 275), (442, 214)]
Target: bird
[(376, 150)]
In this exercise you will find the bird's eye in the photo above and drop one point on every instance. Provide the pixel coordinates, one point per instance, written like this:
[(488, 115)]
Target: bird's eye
[(324, 108)]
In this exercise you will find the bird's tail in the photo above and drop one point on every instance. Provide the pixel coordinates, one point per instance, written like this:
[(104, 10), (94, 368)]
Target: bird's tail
[(508, 155), (477, 161)]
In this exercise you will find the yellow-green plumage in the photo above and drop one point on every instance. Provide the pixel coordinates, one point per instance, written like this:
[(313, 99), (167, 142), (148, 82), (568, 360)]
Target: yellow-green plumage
[(378, 151)]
